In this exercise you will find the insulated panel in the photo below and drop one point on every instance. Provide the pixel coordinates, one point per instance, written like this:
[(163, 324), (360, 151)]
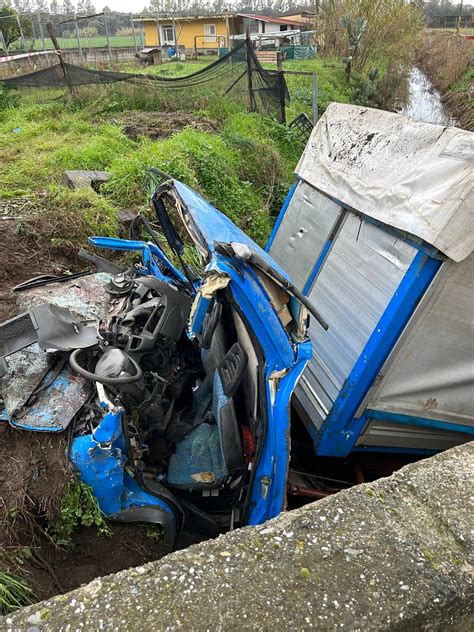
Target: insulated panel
[(354, 286), (304, 230), (387, 434), (431, 371)]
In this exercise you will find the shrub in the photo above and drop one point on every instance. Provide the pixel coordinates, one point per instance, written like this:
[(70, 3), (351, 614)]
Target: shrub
[(79, 507), (8, 98)]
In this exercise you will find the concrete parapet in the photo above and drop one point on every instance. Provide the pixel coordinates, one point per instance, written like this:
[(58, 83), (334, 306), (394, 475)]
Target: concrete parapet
[(395, 555)]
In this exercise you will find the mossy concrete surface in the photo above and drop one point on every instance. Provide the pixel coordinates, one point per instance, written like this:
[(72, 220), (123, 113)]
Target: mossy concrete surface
[(396, 554)]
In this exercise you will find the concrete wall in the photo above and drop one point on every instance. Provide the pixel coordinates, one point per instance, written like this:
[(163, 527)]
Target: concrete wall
[(94, 56), (392, 555)]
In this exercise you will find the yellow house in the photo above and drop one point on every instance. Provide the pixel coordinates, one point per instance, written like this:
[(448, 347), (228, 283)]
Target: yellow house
[(199, 34)]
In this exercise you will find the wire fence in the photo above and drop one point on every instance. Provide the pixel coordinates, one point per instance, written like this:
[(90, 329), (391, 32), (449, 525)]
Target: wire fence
[(238, 75), (27, 32)]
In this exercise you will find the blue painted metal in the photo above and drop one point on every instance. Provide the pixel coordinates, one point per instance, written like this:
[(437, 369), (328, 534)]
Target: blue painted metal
[(211, 225), (100, 459), (254, 302), (197, 321), (340, 429), (281, 215), (268, 492), (147, 249), (280, 354), (56, 406), (317, 266), (394, 450), (411, 420)]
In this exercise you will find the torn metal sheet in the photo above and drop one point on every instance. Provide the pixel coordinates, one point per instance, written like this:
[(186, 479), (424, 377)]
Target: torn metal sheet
[(85, 296), (54, 407), (26, 369)]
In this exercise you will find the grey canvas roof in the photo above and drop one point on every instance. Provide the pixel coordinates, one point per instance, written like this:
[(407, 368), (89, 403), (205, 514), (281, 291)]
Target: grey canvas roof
[(411, 175)]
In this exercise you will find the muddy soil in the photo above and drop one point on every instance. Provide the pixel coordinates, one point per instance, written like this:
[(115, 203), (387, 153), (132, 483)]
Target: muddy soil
[(162, 124), (91, 556), (25, 254), (33, 471)]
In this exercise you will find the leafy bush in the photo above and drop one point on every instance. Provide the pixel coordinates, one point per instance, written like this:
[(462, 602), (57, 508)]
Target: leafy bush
[(8, 98), (393, 28), (79, 507)]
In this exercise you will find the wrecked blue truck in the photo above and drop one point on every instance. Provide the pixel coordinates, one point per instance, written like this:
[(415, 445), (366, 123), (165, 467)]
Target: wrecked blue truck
[(176, 396)]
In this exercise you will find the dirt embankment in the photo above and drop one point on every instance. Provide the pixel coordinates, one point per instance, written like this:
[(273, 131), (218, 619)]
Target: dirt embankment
[(25, 247), (33, 470), (446, 60)]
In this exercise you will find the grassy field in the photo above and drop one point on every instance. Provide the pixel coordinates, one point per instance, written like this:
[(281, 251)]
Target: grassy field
[(244, 167), (243, 163)]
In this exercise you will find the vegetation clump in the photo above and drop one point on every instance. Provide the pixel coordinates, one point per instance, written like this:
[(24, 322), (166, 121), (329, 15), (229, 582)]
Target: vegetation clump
[(446, 60), (79, 507), (15, 593)]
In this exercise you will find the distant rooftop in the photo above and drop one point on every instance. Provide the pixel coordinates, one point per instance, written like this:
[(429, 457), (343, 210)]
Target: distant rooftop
[(210, 16), (275, 19)]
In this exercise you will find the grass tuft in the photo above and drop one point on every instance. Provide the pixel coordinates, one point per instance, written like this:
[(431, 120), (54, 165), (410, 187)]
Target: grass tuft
[(15, 593)]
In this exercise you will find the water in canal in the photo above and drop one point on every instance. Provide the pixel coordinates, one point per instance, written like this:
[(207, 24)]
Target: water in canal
[(424, 101)]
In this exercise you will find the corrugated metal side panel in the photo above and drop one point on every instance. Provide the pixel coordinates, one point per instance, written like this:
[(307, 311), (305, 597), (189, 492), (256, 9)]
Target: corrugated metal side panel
[(431, 373), (303, 232), (359, 277), (387, 434)]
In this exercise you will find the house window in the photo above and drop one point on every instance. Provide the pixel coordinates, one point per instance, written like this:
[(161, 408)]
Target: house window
[(210, 33), (167, 34)]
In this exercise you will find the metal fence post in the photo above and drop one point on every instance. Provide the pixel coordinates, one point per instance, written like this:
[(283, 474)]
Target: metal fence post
[(38, 15), (107, 36), (78, 37), (315, 98), (58, 50), (133, 33), (251, 96), (3, 42), (22, 35)]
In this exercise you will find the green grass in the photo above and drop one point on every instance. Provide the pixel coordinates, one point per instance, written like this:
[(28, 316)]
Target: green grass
[(244, 168), (79, 507), (14, 593), (464, 83)]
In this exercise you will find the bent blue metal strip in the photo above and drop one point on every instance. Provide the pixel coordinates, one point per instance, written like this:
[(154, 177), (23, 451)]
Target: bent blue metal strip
[(146, 248), (269, 489), (340, 430), (317, 266)]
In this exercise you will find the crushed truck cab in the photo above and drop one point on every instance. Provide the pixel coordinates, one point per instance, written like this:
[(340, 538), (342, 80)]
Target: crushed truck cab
[(185, 378)]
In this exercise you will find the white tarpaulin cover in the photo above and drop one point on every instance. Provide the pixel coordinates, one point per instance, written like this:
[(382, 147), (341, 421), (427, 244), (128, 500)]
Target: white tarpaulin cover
[(408, 174)]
